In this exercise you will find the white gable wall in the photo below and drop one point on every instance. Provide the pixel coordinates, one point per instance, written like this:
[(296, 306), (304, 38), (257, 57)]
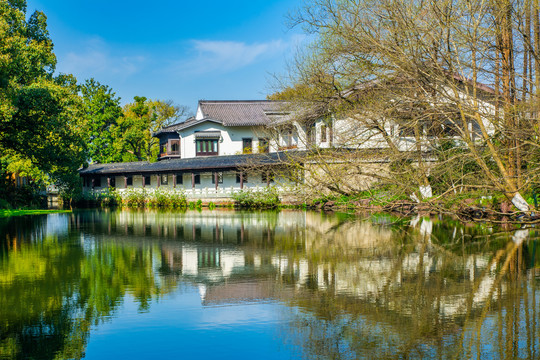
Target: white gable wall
[(230, 142)]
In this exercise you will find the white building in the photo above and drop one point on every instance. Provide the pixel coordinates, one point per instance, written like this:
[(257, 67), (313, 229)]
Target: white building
[(213, 149)]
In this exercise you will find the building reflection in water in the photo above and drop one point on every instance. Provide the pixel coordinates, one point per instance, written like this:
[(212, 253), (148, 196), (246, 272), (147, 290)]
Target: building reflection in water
[(427, 288)]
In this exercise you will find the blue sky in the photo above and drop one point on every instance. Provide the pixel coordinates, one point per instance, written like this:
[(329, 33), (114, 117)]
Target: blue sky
[(173, 49)]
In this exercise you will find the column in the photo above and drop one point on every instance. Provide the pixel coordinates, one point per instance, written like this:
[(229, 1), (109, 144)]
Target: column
[(158, 180), (193, 180), (174, 180), (125, 182), (216, 179), (108, 182)]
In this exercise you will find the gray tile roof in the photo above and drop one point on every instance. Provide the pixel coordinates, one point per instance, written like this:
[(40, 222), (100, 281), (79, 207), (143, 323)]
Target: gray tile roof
[(206, 163), (240, 113), (234, 113)]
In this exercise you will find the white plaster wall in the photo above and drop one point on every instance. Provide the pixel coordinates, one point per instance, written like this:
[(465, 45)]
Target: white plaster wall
[(230, 142), (229, 180)]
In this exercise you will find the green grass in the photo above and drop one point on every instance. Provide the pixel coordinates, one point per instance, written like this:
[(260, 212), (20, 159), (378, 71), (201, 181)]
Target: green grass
[(7, 213)]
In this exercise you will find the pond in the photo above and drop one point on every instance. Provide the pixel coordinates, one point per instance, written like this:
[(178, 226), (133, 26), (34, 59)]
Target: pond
[(102, 284)]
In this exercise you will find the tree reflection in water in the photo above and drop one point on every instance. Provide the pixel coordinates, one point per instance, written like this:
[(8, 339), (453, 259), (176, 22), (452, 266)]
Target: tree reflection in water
[(375, 287), (451, 292)]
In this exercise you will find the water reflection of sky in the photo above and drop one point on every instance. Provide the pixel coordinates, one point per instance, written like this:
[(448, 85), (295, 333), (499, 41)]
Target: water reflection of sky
[(180, 327)]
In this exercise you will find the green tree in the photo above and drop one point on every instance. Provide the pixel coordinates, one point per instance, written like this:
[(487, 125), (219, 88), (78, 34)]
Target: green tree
[(102, 111), (39, 114), (141, 119)]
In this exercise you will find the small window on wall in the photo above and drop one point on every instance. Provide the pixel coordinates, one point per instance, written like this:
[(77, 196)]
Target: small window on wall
[(263, 145), (220, 178), (247, 146), (241, 175), (175, 147), (179, 179), (197, 179), (147, 180), (163, 148), (129, 181), (323, 134), (164, 179), (97, 181)]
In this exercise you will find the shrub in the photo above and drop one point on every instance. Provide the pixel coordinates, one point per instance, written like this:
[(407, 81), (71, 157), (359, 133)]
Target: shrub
[(110, 198), (178, 200), (4, 205), (265, 198), (134, 198)]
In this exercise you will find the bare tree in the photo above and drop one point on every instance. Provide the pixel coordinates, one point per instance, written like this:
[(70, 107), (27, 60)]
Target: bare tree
[(431, 87)]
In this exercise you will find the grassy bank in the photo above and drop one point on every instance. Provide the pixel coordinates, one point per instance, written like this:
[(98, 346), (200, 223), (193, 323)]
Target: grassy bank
[(8, 213), (265, 198)]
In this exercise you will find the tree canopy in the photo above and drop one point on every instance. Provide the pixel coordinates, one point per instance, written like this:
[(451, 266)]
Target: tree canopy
[(50, 125)]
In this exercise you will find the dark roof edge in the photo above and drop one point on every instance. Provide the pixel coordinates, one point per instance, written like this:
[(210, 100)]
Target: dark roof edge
[(191, 164)]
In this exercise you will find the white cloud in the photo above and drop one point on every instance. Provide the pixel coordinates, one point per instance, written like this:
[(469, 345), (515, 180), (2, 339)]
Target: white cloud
[(95, 59), (226, 56)]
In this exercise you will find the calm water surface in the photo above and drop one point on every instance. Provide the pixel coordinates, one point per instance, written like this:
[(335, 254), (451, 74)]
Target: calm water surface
[(265, 285)]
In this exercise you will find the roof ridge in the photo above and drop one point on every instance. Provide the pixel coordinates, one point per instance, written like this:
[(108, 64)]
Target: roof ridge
[(238, 101)]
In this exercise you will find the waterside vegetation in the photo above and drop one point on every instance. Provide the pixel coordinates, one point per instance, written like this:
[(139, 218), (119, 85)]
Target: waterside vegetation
[(9, 213)]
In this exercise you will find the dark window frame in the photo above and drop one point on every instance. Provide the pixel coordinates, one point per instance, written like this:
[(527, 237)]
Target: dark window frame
[(264, 146), (220, 177), (247, 145), (149, 182), (202, 146), (244, 175), (164, 179), (162, 149), (324, 136), (172, 143)]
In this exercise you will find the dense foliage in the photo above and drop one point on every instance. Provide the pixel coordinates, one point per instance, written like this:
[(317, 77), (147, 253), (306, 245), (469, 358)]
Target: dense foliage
[(50, 125)]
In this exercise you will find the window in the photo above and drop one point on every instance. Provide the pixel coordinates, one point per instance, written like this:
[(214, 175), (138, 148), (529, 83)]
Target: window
[(175, 147), (162, 149), (147, 180), (206, 147), (197, 179), (287, 136), (263, 145), (220, 178), (179, 179), (323, 133), (129, 181), (97, 181), (311, 133), (247, 145), (244, 176), (165, 179)]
